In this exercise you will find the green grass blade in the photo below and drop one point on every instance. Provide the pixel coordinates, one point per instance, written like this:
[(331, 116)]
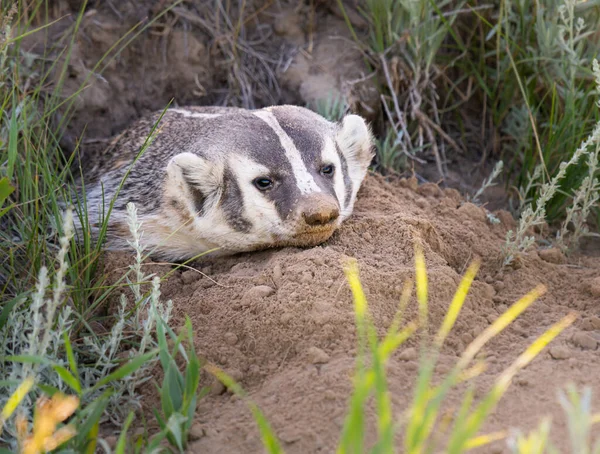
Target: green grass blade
[(122, 442), (125, 370), (68, 378), (71, 357)]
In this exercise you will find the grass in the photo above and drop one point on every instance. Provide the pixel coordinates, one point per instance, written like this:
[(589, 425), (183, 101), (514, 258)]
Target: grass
[(526, 67), (527, 64)]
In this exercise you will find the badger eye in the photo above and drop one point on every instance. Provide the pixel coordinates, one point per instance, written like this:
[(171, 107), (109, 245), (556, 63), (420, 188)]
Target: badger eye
[(327, 170), (263, 183)]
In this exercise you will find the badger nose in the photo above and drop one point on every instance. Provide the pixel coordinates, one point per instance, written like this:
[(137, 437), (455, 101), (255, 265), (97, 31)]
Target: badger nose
[(319, 210)]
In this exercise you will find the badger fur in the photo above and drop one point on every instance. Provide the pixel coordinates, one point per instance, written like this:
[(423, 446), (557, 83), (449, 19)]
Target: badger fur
[(229, 178)]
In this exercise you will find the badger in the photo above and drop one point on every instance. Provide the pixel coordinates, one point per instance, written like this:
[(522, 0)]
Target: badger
[(228, 179)]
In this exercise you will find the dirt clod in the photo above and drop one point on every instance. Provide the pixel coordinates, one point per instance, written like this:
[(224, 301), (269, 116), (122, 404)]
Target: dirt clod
[(230, 338), (560, 352), (429, 190), (552, 255), (472, 211), (196, 431), (408, 354), (317, 356), (217, 388), (257, 293), (190, 276), (591, 324), (594, 286), (584, 341)]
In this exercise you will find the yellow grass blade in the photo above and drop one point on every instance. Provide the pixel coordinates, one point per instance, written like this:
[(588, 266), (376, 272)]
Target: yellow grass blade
[(476, 418), (457, 304), (404, 300), (472, 372), (360, 301), (15, 399), (482, 440), (531, 352), (421, 278), (392, 341), (499, 324)]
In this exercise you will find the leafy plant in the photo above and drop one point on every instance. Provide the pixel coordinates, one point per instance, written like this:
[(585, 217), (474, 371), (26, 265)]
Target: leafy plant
[(584, 197), (179, 391), (333, 107), (404, 39)]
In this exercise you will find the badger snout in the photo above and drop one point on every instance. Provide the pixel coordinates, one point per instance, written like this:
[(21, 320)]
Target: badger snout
[(319, 210)]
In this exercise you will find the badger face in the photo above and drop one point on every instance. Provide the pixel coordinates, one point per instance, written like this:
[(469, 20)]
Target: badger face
[(281, 176)]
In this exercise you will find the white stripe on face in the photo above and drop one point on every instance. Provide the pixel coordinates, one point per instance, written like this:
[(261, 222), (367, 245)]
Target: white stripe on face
[(305, 181), (189, 113)]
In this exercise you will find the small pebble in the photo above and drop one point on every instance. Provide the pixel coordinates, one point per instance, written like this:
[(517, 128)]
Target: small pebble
[(429, 190), (230, 338), (488, 290), (190, 276), (412, 183), (590, 324), (286, 317), (453, 194), (594, 286), (330, 395), (507, 219), (111, 441), (217, 388), (584, 341), (472, 211), (236, 374), (408, 354), (552, 255), (207, 283), (307, 277), (257, 293), (467, 338), (422, 203), (196, 431), (560, 352), (317, 356), (523, 380)]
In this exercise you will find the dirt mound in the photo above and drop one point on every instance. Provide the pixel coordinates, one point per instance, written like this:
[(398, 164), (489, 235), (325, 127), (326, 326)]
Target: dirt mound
[(281, 321)]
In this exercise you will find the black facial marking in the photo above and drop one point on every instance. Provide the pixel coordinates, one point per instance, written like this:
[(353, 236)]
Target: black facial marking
[(284, 197), (232, 203), (306, 136), (347, 180)]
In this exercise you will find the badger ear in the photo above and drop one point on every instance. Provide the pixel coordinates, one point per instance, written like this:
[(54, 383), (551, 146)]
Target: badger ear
[(193, 182), (355, 140)]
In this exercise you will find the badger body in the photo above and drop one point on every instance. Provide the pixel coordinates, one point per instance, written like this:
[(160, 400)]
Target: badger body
[(229, 178)]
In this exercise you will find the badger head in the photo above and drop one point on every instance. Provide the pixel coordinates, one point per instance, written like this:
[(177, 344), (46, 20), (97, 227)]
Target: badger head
[(280, 176)]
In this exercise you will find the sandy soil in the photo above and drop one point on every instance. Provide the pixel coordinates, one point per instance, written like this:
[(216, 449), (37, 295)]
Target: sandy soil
[(281, 322)]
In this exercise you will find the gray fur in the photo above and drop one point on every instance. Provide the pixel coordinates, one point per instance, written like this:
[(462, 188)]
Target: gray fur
[(193, 186)]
